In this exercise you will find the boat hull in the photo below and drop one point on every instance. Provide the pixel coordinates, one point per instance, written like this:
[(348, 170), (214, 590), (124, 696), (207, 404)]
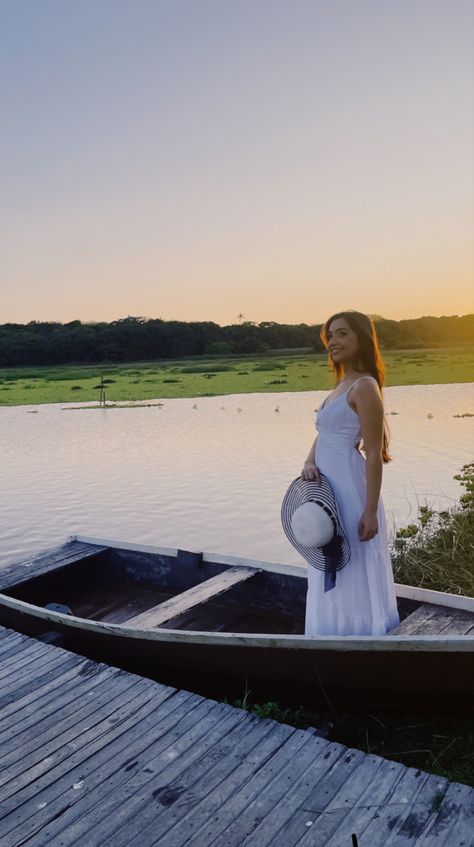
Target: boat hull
[(309, 673), (394, 670)]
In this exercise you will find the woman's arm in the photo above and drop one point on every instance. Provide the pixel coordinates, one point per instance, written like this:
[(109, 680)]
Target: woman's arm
[(310, 470), (369, 407)]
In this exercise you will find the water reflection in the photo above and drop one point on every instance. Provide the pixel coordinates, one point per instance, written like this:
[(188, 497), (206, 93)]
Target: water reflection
[(205, 474)]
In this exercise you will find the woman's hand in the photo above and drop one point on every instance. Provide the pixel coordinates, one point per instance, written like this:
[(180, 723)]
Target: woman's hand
[(368, 525), (310, 472)]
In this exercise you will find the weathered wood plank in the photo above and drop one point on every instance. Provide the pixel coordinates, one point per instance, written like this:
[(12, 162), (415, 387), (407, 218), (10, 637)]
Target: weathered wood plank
[(61, 731), (29, 700), (101, 804), (430, 620), (196, 781), (237, 818), (29, 662), (19, 651), (126, 712), (67, 554), (15, 648), (209, 817), (275, 800), (252, 745), (404, 827), (452, 822), (391, 816), (328, 811), (74, 765), (21, 662), (382, 824), (8, 643), (52, 707), (284, 818), (462, 623), (196, 596), (419, 618), (52, 670), (367, 808)]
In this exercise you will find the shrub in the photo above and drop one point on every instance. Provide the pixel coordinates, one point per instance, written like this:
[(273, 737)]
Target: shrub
[(438, 551)]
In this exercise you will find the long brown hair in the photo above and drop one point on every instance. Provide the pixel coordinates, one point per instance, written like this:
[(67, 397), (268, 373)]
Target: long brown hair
[(369, 358)]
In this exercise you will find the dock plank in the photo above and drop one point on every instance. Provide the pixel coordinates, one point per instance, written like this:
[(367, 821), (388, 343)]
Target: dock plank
[(29, 700), (207, 814), (55, 707), (128, 713), (276, 801), (167, 753), (101, 745), (203, 777), (328, 808), (234, 819), (405, 830), (93, 755), (52, 670), (285, 821), (375, 798), (60, 731), (22, 663), (15, 649), (455, 815)]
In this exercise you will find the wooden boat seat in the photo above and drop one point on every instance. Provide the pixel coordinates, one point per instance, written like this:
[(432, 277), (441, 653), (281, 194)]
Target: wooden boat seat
[(431, 619), (195, 596)]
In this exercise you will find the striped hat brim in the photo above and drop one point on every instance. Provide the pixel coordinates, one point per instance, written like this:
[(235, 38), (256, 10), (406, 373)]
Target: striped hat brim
[(334, 555)]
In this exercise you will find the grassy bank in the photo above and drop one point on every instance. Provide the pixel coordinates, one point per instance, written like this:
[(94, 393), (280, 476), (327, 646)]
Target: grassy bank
[(437, 552), (215, 376)]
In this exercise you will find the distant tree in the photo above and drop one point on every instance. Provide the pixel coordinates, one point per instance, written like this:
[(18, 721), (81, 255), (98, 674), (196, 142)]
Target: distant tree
[(138, 338)]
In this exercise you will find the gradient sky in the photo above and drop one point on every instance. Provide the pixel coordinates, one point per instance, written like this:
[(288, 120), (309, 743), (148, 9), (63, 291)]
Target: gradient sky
[(197, 159)]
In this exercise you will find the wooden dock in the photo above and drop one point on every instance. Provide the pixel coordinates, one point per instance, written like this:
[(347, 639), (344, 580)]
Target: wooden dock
[(95, 756)]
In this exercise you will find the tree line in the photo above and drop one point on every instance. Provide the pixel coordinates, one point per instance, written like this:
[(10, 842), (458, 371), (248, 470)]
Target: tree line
[(139, 339)]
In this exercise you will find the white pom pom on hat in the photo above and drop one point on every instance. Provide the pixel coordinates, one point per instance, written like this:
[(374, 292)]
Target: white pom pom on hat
[(312, 526)]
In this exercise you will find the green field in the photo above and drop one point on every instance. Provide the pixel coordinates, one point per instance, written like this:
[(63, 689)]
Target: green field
[(204, 377)]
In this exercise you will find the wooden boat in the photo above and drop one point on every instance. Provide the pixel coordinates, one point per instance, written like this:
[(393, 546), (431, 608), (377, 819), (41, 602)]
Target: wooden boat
[(222, 625)]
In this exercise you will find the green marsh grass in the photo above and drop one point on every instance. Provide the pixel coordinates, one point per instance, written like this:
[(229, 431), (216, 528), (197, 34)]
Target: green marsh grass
[(230, 375)]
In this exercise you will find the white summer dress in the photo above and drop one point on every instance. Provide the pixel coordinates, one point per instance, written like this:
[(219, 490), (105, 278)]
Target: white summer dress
[(363, 600)]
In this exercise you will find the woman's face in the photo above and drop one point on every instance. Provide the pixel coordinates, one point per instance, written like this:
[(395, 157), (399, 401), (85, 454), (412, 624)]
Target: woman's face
[(342, 343)]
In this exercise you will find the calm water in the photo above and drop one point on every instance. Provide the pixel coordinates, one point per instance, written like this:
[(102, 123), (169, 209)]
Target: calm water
[(208, 473)]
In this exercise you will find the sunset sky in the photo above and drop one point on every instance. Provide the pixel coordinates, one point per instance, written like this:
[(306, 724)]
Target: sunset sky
[(198, 159)]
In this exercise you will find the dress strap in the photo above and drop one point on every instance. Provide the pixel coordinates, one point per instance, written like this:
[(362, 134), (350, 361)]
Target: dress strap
[(366, 376)]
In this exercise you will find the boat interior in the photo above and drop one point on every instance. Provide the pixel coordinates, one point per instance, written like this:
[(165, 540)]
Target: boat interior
[(142, 590), (146, 590)]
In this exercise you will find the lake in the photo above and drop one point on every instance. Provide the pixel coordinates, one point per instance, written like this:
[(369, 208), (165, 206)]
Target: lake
[(206, 473)]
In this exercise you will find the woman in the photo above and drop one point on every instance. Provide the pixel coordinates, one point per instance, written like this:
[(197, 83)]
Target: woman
[(363, 601)]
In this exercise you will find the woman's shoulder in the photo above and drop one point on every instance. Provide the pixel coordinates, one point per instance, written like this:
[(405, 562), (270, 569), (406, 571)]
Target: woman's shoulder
[(364, 387), (364, 380)]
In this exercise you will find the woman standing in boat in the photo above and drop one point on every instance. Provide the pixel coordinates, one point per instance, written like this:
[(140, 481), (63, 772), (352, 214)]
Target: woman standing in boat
[(363, 600)]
